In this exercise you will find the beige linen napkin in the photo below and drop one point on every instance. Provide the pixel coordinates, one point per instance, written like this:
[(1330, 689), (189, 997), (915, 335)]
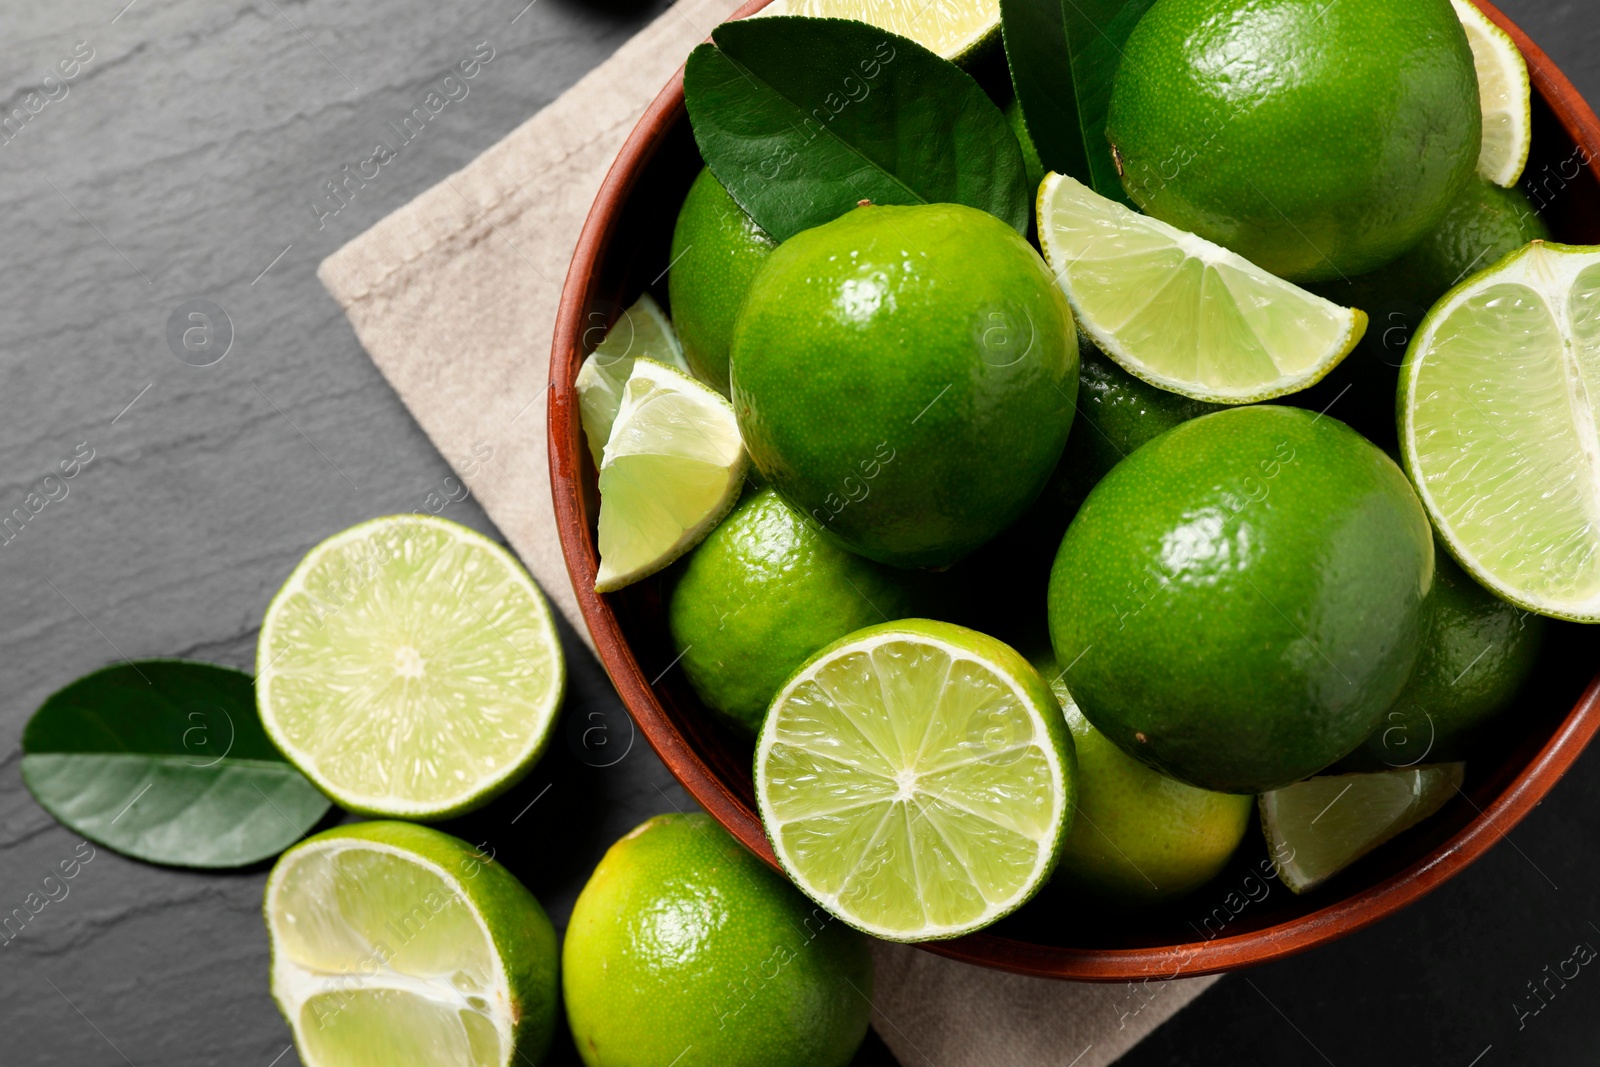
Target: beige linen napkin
[(454, 296)]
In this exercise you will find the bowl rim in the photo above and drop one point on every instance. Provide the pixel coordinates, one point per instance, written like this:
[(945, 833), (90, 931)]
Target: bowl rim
[(1337, 919)]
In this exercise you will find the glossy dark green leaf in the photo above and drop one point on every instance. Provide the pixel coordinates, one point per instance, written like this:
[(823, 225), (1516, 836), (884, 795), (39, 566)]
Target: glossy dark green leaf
[(802, 118), (166, 761), (1063, 56)]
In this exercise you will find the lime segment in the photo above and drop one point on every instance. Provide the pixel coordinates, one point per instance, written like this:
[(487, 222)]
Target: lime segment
[(1498, 427), (1504, 94), (952, 28), (393, 943), (916, 779), (672, 468), (1183, 313), (1318, 827), (409, 667), (643, 330)]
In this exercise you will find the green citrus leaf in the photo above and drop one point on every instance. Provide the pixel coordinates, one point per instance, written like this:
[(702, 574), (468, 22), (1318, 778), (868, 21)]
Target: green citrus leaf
[(1063, 56), (802, 118), (166, 761)]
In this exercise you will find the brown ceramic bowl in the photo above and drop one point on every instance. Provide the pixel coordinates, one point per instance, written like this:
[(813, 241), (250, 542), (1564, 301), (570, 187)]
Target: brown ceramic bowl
[(1242, 918)]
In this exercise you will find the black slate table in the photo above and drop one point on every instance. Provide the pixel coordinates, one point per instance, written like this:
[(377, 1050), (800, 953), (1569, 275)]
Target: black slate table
[(186, 159)]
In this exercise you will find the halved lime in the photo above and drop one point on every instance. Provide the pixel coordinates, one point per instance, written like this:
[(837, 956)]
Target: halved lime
[(672, 468), (1504, 94), (409, 667), (398, 944), (1183, 313), (1498, 427), (1318, 827), (642, 330), (955, 29), (916, 779)]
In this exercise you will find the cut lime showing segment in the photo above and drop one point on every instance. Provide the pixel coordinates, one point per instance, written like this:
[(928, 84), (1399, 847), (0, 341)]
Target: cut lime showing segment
[(1504, 94), (409, 667), (394, 943), (1183, 313), (954, 29), (642, 330), (916, 779), (672, 468), (1318, 827), (1498, 431)]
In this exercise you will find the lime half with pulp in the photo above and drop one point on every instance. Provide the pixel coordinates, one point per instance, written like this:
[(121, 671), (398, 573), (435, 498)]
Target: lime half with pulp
[(1504, 94), (1318, 827), (916, 779), (397, 944), (1498, 427), (409, 667), (1183, 313), (955, 29)]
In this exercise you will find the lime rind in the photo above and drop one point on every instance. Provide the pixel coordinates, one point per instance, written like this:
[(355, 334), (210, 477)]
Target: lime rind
[(1356, 813), (672, 468), (845, 773), (1505, 95), (337, 682), (375, 940), (956, 30), (1182, 313), (643, 330), (1498, 427)]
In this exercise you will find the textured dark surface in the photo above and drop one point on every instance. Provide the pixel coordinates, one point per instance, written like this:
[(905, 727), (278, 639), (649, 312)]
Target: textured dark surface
[(181, 162)]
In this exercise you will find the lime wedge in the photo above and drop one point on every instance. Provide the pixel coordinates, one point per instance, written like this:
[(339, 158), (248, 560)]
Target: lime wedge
[(672, 468), (409, 667), (397, 944), (1504, 95), (1318, 827), (1183, 313), (955, 29), (642, 330), (916, 779), (1498, 431)]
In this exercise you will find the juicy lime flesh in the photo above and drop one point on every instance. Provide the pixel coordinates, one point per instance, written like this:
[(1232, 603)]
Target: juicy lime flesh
[(673, 466), (1316, 140), (1318, 827), (1500, 427), (642, 330), (1240, 600), (1503, 91), (717, 250), (385, 962), (762, 593), (409, 666), (905, 376), (664, 945), (1182, 312), (949, 27), (910, 787)]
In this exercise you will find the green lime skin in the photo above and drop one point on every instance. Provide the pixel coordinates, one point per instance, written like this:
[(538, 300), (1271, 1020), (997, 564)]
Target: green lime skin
[(685, 949), (1139, 837), (905, 376), (1240, 600), (1477, 652), (1314, 139), (717, 250), (762, 593), (1484, 225)]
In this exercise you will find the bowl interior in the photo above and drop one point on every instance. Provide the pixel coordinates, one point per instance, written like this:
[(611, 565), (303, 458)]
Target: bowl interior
[(1244, 915)]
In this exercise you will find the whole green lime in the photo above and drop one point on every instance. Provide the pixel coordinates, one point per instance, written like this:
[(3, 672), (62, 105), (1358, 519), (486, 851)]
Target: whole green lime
[(762, 593), (1240, 600), (717, 250), (905, 376), (1477, 652), (685, 949), (1314, 139), (1140, 837)]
